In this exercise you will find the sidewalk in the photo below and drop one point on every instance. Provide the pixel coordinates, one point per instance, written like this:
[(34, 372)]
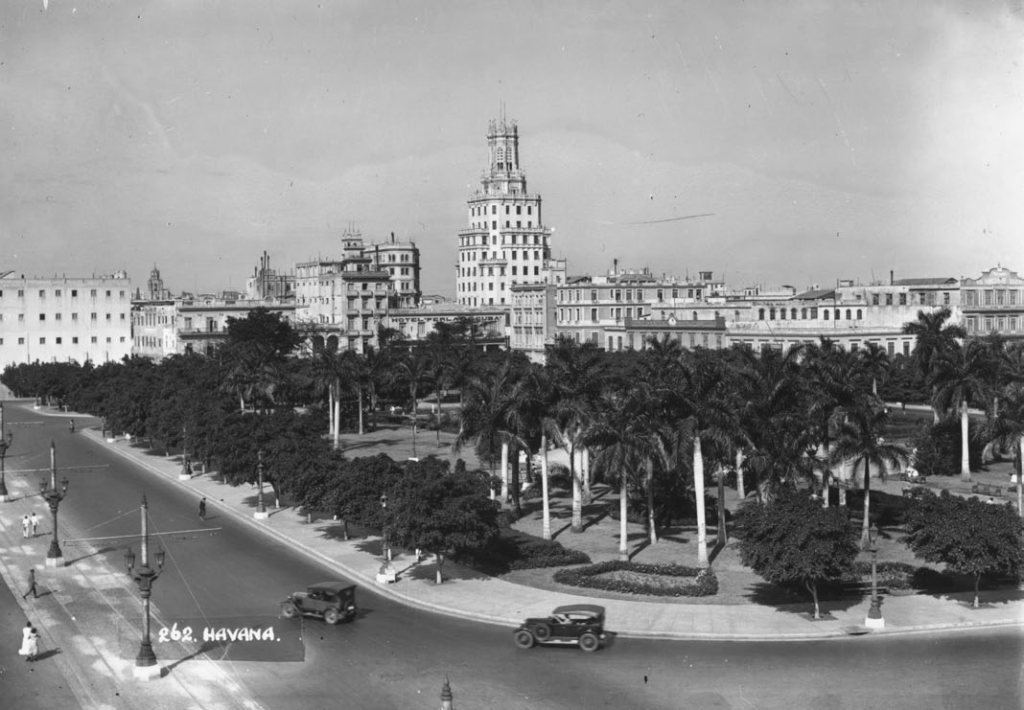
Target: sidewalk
[(468, 594)]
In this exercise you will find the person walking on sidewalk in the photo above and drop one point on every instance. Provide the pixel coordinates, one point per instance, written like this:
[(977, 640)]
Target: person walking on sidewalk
[(31, 585), (29, 642), (34, 521), (26, 524), (202, 509)]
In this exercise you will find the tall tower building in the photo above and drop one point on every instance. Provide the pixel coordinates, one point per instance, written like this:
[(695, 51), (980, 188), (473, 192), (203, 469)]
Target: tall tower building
[(506, 243)]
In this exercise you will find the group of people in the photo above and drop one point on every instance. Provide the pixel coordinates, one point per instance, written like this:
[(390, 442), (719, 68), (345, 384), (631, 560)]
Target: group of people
[(29, 523), (29, 642)]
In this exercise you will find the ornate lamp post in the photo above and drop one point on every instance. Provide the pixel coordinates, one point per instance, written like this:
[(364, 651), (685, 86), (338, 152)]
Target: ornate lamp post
[(53, 496), (144, 576), (261, 509), (6, 439), (874, 619), (387, 573)]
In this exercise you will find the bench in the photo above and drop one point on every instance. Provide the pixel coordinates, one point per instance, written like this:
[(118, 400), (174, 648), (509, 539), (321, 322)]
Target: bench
[(860, 588), (986, 489)]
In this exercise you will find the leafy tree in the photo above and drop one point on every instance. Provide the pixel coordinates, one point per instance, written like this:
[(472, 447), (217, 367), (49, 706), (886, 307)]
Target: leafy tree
[(441, 512), (969, 536), (933, 336), (793, 540)]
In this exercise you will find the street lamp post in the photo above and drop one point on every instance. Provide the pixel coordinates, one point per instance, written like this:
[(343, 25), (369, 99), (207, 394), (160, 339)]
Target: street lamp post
[(186, 465), (261, 509), (387, 573), (6, 439), (144, 576), (53, 496), (874, 618)]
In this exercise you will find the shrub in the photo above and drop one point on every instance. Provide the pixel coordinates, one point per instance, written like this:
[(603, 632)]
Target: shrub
[(635, 578), (517, 550), (938, 449)]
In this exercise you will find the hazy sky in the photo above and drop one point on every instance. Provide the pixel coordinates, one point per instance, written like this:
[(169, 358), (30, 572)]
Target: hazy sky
[(826, 139)]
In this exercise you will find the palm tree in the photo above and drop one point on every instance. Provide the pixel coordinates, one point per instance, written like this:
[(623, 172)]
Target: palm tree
[(962, 376), (1007, 430), (577, 373), (623, 445), (874, 361), (710, 417), (933, 336), (860, 441), (414, 371)]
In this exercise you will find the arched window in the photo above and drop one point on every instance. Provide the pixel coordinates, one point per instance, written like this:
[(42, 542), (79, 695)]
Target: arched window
[(860, 314), (760, 314), (792, 314), (695, 315), (848, 314)]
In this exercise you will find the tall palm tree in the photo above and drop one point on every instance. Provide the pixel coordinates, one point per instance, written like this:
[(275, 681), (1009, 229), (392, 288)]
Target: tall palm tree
[(414, 371), (860, 441), (962, 376), (578, 374), (1007, 430), (874, 361), (711, 419), (623, 445), (933, 336)]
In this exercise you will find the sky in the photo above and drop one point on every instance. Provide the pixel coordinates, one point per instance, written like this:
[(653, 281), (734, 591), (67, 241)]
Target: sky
[(819, 139)]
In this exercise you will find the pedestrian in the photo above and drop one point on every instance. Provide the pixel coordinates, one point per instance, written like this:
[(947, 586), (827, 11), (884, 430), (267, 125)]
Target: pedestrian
[(26, 525), (29, 642), (31, 585), (34, 520), (71, 424), (202, 509)]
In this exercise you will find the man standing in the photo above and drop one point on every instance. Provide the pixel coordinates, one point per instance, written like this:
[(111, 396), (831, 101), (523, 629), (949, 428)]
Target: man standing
[(34, 520), (25, 525), (202, 509)]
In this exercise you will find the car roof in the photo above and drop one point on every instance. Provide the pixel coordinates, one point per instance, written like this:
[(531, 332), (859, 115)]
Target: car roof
[(332, 587), (593, 609)]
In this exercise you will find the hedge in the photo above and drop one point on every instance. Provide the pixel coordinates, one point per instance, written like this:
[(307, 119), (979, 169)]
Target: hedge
[(704, 584)]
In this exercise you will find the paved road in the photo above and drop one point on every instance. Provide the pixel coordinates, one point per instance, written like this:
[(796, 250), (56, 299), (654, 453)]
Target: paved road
[(395, 657)]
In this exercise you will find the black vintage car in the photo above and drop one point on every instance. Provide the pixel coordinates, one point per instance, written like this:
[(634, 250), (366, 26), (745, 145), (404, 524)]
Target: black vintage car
[(332, 601), (581, 624)]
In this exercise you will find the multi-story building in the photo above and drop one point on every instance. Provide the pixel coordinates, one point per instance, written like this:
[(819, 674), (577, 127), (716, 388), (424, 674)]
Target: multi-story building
[(63, 319), (613, 310), (346, 300), (532, 312), (201, 323), (154, 334), (993, 303), (506, 242)]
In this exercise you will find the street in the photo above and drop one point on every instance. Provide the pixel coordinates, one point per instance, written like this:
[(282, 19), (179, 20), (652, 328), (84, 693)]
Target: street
[(393, 656)]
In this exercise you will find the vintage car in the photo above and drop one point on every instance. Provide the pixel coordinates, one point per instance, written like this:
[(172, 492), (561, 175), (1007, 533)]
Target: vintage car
[(581, 624), (333, 601)]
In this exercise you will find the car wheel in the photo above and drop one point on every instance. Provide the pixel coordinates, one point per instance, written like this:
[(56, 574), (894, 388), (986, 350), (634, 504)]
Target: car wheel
[(524, 639), (331, 616), (542, 632), (589, 642), (289, 611)]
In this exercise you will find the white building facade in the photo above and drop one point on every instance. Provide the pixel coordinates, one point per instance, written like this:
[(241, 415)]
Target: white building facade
[(64, 319), (506, 242)]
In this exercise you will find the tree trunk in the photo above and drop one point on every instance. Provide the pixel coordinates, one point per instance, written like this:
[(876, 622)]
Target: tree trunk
[(623, 533), (739, 474), (722, 535), (437, 403), (865, 538), (545, 501), (585, 475), (359, 395), (514, 486), (1020, 476), (577, 494), (414, 421), (337, 418), (440, 566), (504, 472), (813, 589), (698, 492), (977, 582), (651, 527), (965, 459)]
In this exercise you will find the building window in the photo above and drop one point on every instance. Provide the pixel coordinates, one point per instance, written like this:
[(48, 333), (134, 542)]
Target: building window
[(42, 316), (42, 341), (825, 313), (860, 314), (760, 314), (888, 299), (74, 340), (59, 340)]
